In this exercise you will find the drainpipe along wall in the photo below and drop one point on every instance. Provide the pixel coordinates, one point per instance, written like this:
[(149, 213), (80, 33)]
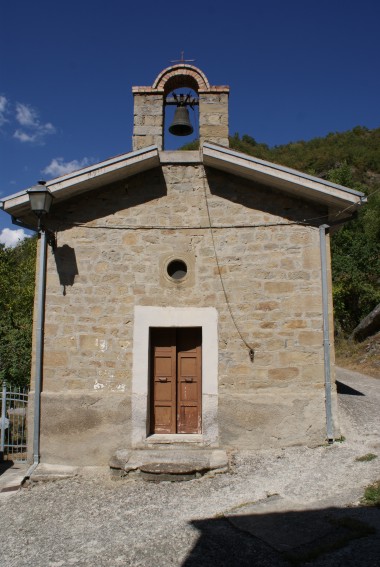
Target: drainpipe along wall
[(323, 229), (39, 350)]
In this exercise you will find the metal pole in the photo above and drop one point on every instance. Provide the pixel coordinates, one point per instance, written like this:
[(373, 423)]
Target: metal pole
[(326, 332), (3, 416), (39, 345)]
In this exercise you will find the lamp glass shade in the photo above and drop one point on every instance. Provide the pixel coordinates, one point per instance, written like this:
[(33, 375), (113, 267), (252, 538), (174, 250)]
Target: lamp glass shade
[(40, 199)]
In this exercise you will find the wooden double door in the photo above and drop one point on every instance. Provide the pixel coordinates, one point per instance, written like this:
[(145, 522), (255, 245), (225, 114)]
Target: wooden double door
[(176, 379)]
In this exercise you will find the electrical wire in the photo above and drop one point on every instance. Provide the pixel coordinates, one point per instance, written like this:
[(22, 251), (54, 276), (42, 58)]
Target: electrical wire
[(249, 347)]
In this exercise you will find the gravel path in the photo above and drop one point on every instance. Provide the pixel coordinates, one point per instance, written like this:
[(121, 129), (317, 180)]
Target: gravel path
[(95, 521)]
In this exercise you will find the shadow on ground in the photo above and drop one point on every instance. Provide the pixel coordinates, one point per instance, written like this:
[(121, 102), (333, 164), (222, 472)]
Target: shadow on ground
[(347, 390), (329, 536), (5, 465)]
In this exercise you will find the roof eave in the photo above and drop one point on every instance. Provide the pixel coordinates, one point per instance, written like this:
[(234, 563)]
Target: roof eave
[(82, 180), (279, 177)]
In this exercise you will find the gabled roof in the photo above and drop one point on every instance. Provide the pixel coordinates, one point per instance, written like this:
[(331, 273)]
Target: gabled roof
[(291, 181), (283, 178)]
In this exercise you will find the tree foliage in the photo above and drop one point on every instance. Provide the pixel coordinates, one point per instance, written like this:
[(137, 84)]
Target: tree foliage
[(17, 279), (356, 258), (359, 148)]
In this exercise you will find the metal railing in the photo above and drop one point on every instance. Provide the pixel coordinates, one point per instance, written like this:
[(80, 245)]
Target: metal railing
[(13, 431)]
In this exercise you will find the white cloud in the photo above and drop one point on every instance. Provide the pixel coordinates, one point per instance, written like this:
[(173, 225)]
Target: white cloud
[(25, 122), (58, 167), (3, 103), (24, 137), (10, 238), (47, 128), (26, 115), (3, 109), (33, 130)]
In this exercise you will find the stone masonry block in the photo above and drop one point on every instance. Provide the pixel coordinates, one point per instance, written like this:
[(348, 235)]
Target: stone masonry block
[(208, 131), (147, 130), (279, 288), (286, 373)]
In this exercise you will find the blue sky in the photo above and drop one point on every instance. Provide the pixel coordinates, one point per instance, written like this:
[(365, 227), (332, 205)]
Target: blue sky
[(296, 70)]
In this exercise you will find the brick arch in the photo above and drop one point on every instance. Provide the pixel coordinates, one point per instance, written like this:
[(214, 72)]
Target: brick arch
[(181, 76)]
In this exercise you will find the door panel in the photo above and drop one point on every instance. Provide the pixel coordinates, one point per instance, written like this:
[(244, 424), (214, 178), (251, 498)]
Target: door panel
[(189, 380), (188, 419), (176, 380), (164, 380), (188, 392)]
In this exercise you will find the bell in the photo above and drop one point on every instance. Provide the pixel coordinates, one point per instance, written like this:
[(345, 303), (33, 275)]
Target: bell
[(181, 125)]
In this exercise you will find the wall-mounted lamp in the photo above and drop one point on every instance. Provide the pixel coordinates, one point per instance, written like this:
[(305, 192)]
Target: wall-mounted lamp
[(40, 199)]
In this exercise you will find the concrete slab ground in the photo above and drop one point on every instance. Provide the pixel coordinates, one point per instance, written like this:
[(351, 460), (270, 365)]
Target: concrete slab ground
[(11, 477)]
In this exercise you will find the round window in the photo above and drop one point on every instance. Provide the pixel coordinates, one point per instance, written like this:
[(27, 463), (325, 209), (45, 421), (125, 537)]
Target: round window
[(177, 269)]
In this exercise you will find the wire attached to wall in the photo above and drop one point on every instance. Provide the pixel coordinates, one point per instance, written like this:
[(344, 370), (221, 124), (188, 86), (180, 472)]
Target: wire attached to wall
[(251, 350)]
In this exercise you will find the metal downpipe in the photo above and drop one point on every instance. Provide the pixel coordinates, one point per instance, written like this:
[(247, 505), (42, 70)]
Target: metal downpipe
[(326, 333), (39, 351)]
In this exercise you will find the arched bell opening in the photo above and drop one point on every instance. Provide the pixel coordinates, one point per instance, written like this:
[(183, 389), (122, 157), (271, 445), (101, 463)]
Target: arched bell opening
[(181, 118), (153, 116)]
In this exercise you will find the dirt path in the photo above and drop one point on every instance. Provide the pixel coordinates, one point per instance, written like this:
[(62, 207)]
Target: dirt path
[(359, 405), (96, 521)]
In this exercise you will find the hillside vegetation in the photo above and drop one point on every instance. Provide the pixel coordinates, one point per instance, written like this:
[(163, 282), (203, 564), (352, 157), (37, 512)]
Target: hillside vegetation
[(348, 158)]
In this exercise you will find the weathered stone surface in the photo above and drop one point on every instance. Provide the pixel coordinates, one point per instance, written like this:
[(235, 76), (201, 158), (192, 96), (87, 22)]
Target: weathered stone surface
[(46, 472), (83, 428), (173, 461), (171, 468), (121, 237), (119, 459), (272, 417)]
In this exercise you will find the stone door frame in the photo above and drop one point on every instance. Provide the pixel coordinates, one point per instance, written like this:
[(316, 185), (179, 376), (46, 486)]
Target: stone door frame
[(146, 317)]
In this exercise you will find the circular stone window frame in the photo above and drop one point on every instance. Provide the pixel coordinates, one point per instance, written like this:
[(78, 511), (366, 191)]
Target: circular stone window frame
[(187, 259)]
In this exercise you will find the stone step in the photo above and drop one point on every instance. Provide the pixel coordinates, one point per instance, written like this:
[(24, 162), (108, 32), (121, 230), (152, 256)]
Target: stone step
[(168, 464)]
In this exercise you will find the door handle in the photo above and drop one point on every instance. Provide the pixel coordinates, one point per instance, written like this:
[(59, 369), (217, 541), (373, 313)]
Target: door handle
[(188, 379), (162, 379)]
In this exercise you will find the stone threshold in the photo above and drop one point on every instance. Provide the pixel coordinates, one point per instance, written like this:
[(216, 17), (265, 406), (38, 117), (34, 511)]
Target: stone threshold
[(171, 439), (168, 464)]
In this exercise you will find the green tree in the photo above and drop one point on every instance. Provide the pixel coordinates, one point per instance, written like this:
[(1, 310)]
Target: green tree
[(17, 280), (355, 258)]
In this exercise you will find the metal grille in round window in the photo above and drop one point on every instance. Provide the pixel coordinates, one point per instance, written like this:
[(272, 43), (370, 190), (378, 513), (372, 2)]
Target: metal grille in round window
[(177, 269)]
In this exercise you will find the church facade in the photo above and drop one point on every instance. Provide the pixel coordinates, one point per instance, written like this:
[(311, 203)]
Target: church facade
[(184, 302)]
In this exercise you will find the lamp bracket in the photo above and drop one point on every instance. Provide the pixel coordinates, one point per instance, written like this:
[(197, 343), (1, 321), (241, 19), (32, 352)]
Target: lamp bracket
[(51, 239)]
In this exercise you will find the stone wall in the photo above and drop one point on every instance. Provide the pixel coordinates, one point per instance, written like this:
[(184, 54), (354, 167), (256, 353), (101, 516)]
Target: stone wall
[(213, 117), (119, 242)]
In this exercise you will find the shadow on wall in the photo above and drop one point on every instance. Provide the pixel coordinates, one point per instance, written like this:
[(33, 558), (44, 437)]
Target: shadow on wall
[(258, 197), (108, 200), (338, 536), (67, 267)]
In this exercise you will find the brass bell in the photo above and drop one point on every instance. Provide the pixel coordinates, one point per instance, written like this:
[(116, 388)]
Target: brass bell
[(181, 125)]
